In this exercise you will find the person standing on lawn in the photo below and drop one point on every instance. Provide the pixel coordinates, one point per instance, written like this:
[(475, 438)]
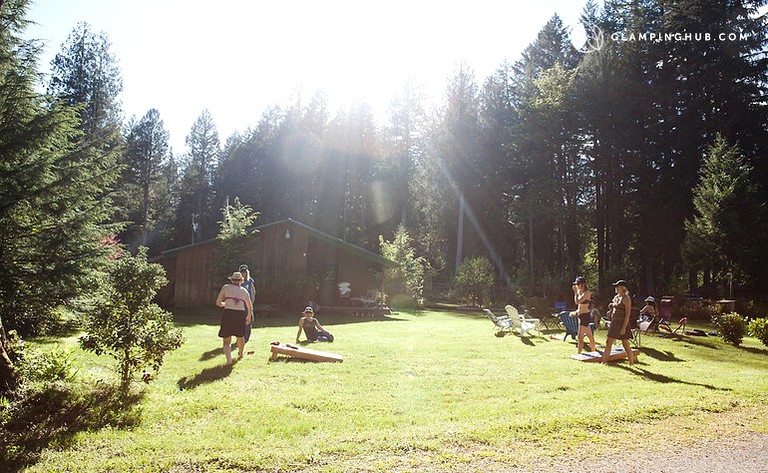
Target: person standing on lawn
[(582, 298), (236, 302), (621, 311), (248, 284)]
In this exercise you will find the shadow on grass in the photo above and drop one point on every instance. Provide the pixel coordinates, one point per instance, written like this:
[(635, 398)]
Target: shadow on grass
[(756, 351), (696, 341), (660, 355), (211, 354), (55, 416), (208, 375), (660, 378)]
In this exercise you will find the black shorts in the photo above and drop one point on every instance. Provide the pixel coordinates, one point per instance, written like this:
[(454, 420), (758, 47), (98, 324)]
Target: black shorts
[(232, 323), (585, 319)]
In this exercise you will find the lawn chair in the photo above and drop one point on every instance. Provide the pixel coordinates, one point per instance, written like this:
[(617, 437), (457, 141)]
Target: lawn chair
[(503, 324), (523, 323), (571, 324)]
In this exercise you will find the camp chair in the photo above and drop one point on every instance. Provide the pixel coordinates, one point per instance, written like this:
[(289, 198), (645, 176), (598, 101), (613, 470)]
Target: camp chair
[(547, 320), (521, 321), (501, 323), (571, 324)]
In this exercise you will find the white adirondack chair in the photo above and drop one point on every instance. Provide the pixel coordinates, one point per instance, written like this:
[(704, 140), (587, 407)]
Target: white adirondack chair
[(520, 321)]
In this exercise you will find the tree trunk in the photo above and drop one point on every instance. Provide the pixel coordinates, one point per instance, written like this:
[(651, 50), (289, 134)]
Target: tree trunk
[(8, 377)]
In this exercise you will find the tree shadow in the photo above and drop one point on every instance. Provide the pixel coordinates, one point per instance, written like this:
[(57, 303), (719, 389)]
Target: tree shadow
[(756, 351), (208, 375), (660, 355), (695, 341), (660, 378), (55, 416)]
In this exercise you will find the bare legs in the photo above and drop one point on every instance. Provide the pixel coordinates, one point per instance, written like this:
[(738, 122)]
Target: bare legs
[(627, 349), (588, 332), (227, 341), (228, 349)]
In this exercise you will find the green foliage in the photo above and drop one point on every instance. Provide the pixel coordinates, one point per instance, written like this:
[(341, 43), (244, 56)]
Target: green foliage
[(144, 194), (408, 277), (727, 232), (474, 281), (732, 327), (236, 220), (45, 365), (758, 328), (126, 324), (235, 245), (54, 185)]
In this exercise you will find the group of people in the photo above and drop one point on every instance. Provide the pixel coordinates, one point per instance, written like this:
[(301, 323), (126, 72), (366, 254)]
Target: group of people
[(619, 313), (237, 298)]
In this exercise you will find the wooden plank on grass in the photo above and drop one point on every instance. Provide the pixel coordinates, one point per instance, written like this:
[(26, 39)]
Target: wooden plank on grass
[(293, 351)]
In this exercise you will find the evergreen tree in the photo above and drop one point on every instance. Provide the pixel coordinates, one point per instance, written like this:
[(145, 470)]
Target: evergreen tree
[(145, 188), (85, 72), (727, 235), (195, 215), (53, 186)]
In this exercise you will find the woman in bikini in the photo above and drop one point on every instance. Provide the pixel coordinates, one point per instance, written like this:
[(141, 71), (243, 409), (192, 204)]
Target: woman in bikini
[(582, 298), (236, 302)]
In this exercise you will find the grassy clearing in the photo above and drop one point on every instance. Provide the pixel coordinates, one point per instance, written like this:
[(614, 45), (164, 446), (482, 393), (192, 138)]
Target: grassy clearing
[(415, 389)]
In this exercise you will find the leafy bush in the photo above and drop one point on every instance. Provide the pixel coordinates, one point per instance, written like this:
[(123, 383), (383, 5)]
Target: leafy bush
[(45, 365), (758, 328), (408, 276), (732, 327), (474, 281), (126, 324)]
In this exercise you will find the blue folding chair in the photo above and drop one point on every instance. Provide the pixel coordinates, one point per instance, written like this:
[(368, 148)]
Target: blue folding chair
[(571, 324)]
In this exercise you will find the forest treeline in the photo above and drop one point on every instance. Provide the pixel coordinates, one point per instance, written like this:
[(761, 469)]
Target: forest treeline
[(607, 160)]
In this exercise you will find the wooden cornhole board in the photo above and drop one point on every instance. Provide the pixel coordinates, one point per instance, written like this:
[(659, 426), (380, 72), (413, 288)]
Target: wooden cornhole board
[(617, 353), (302, 353)]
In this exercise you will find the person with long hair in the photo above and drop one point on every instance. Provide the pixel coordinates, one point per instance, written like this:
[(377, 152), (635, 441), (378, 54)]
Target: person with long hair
[(582, 298), (621, 311)]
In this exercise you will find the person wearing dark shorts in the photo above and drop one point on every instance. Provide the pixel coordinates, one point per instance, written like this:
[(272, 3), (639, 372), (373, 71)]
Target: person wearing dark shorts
[(236, 302), (582, 298), (621, 310)]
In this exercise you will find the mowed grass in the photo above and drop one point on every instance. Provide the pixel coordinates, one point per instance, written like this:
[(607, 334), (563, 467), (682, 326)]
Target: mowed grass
[(426, 390)]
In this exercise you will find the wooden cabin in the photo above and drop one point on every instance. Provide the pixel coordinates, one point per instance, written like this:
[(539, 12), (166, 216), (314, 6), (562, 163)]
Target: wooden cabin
[(291, 263)]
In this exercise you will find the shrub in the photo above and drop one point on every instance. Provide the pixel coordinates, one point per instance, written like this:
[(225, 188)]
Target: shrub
[(408, 276), (46, 365), (758, 328), (732, 327), (474, 281), (126, 324)]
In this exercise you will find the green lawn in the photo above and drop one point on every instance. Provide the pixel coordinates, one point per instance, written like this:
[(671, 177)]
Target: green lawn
[(422, 389)]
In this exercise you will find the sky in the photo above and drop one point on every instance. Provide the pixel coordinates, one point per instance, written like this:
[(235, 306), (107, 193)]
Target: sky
[(236, 58)]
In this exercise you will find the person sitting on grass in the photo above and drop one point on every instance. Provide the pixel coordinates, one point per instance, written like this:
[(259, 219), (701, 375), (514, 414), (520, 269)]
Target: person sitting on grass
[(312, 328)]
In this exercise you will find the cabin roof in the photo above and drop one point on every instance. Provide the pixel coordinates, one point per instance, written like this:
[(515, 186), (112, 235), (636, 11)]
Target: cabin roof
[(332, 240)]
